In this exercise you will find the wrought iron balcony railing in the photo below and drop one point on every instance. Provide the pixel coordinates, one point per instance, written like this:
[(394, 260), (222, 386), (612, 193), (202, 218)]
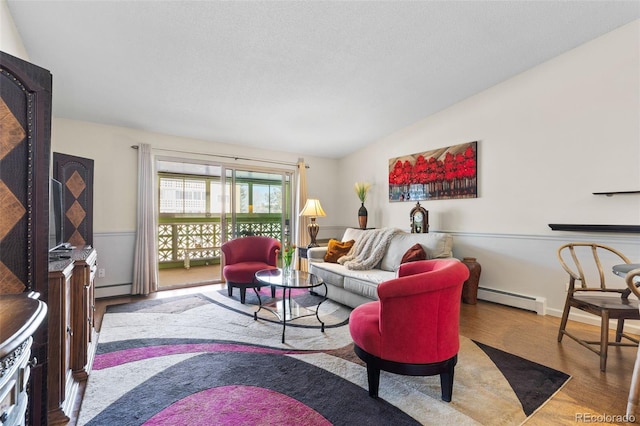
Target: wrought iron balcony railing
[(201, 239)]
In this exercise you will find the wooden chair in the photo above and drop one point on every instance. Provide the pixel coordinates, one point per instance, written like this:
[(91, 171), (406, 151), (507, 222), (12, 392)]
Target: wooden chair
[(583, 263)]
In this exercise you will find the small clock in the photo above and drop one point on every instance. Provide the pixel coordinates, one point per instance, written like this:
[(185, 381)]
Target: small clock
[(419, 220)]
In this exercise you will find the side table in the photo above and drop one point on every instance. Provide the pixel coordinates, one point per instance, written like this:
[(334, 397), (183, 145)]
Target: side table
[(470, 287), (302, 254)]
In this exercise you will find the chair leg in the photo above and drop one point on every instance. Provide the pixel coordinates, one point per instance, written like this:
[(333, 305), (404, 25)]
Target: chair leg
[(604, 340), (446, 383), (563, 322), (229, 289), (620, 330), (273, 291), (243, 294), (373, 376)]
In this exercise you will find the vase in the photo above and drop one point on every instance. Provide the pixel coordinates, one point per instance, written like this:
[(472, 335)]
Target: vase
[(286, 270), (470, 287), (286, 265), (362, 217)]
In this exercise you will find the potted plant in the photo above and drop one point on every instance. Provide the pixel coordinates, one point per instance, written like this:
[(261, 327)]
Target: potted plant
[(361, 189)]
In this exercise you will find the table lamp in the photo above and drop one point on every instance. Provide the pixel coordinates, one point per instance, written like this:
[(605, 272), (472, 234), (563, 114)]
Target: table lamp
[(313, 209)]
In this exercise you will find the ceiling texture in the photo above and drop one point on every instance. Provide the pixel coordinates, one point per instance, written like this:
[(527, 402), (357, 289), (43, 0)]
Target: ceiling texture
[(321, 78)]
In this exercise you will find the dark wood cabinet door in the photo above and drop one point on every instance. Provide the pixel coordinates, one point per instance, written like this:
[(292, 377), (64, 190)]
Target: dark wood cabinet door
[(25, 149), (76, 175)]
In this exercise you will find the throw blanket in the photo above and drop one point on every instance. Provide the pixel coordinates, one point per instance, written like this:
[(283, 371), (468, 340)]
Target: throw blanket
[(368, 250)]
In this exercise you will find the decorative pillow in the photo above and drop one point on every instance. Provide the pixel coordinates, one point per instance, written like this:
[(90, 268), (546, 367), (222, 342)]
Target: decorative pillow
[(415, 252), (437, 245), (337, 249)]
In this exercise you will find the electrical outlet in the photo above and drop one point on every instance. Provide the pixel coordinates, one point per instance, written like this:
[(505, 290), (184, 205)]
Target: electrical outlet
[(101, 273)]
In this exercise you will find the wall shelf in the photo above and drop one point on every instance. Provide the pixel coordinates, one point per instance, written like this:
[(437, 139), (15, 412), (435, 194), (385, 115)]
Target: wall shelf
[(612, 193), (595, 228)]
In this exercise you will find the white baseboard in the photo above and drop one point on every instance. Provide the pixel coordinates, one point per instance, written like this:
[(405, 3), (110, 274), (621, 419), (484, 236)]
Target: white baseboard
[(630, 326), (113, 290)]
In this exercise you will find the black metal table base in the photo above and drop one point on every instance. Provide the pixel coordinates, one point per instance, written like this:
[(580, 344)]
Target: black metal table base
[(287, 303)]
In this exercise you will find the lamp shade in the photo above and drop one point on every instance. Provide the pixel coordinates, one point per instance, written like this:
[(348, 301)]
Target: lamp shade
[(312, 208)]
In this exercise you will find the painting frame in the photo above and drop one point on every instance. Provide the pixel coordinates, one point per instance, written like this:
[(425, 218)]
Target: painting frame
[(439, 174)]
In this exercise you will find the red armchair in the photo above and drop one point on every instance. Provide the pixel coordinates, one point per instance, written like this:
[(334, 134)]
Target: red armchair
[(245, 256), (413, 329)]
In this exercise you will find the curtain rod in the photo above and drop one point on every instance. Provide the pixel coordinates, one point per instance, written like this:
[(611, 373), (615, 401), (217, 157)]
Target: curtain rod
[(233, 157)]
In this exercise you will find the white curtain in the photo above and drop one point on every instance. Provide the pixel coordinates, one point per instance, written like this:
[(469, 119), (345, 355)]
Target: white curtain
[(301, 234), (145, 264)]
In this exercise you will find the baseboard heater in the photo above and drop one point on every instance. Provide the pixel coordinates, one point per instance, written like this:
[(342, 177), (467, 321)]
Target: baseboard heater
[(530, 303), (113, 290)]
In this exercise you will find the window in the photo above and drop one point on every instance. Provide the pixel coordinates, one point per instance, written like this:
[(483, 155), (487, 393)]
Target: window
[(267, 198), (180, 195), (202, 196), (216, 201)]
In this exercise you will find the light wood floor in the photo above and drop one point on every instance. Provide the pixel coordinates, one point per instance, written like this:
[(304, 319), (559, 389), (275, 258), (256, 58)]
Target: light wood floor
[(588, 393)]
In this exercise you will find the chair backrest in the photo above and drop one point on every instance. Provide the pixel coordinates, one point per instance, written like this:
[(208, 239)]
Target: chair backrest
[(420, 311), (584, 263), (251, 249)]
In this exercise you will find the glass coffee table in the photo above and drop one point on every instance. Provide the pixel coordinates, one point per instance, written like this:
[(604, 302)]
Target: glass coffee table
[(287, 309)]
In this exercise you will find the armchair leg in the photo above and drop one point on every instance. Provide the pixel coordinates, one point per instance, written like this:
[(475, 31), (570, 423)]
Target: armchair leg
[(229, 289), (373, 376), (446, 385), (243, 294)]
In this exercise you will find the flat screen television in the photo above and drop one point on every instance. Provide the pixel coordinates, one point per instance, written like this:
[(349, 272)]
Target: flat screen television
[(56, 221)]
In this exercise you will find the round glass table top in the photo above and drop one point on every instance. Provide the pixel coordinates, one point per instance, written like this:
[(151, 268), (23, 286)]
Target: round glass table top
[(625, 268), (293, 279)]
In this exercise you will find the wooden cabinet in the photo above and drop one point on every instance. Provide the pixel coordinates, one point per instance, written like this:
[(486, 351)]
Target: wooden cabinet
[(61, 386), (20, 316), (83, 306), (71, 327)]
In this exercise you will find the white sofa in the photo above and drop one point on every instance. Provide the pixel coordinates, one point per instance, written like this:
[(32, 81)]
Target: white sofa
[(355, 287)]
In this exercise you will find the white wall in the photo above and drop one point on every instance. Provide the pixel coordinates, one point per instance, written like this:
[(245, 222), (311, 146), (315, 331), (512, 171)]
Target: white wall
[(548, 138), (10, 41)]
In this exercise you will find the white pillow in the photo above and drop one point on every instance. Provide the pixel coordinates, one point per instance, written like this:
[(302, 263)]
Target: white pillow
[(436, 245)]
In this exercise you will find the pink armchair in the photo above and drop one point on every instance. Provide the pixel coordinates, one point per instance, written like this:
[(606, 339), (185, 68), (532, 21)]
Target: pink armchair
[(413, 329), (245, 256)]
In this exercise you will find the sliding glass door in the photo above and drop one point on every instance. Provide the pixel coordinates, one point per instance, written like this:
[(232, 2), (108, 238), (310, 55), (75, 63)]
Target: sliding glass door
[(260, 203), (202, 205)]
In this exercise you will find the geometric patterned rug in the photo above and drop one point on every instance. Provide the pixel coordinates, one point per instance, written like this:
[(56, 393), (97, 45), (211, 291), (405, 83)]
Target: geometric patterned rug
[(202, 359)]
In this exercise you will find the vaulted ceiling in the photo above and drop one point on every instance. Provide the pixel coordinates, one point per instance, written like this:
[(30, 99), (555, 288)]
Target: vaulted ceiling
[(319, 78)]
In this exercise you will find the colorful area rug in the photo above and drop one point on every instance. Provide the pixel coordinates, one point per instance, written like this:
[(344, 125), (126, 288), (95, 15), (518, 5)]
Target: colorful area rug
[(203, 360)]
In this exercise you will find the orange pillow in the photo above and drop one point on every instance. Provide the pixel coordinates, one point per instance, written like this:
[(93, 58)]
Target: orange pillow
[(415, 252), (337, 249)]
